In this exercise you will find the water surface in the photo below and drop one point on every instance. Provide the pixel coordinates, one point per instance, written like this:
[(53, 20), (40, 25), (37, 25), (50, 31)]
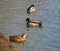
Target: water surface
[(12, 22)]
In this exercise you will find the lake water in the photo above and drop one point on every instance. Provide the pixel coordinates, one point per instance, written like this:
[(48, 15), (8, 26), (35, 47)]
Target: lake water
[(12, 22)]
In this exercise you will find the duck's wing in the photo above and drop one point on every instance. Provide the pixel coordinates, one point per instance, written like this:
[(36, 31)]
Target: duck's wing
[(35, 21), (33, 24), (32, 9)]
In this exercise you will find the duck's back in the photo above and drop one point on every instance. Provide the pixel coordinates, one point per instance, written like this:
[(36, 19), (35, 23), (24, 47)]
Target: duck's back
[(36, 21)]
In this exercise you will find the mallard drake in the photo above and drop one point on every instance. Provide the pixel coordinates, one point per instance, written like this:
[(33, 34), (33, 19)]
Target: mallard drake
[(18, 38), (31, 9), (33, 23)]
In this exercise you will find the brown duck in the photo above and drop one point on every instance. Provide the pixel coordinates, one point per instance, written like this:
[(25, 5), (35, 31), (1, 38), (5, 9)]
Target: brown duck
[(18, 38)]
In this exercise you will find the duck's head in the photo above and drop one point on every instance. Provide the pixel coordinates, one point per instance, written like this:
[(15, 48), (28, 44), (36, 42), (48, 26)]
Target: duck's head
[(28, 19), (32, 5)]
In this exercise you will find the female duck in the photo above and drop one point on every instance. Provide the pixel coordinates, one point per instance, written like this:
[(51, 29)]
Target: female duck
[(31, 9), (33, 23), (18, 38)]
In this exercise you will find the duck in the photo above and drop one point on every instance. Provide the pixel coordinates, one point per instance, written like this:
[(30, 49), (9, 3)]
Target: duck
[(18, 38), (33, 23), (31, 9)]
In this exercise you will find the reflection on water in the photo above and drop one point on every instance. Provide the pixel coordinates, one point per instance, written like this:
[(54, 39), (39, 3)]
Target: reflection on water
[(12, 20)]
